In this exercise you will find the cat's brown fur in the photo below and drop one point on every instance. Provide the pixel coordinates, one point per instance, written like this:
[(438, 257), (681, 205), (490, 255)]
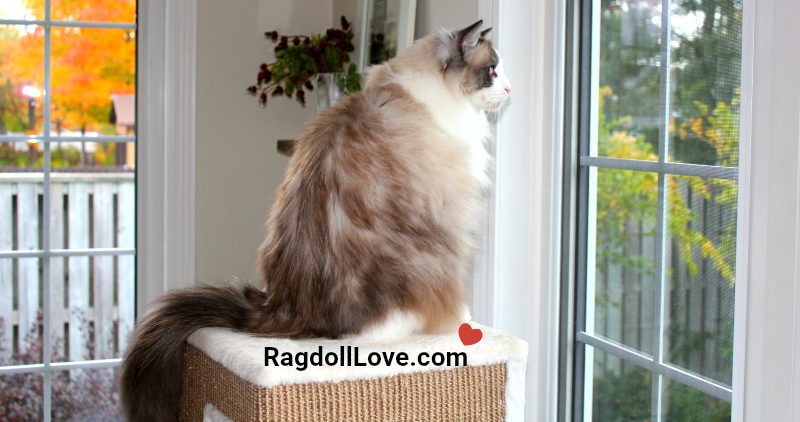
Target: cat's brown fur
[(376, 214), (370, 218)]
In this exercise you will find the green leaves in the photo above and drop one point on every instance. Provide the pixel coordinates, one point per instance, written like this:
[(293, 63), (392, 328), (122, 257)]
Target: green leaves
[(299, 58), (353, 82)]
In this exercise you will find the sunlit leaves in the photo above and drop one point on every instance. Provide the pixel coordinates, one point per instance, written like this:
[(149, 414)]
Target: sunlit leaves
[(626, 197)]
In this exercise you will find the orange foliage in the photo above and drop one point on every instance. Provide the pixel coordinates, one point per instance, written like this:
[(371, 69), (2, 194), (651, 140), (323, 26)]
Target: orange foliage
[(88, 65)]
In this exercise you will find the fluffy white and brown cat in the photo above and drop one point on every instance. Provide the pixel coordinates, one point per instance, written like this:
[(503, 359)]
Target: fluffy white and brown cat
[(371, 234)]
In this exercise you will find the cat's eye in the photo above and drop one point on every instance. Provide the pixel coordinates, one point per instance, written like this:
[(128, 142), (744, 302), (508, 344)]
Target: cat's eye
[(491, 71)]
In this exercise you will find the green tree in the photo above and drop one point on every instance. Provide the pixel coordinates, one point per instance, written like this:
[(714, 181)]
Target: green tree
[(706, 74)]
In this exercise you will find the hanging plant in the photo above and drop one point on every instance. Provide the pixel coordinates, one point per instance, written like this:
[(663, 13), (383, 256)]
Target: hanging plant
[(299, 58)]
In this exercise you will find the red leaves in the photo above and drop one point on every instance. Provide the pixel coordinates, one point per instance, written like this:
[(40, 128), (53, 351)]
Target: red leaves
[(297, 63)]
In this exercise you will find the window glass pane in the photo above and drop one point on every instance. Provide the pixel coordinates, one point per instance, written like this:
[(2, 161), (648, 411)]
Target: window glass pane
[(682, 403), (92, 209), (86, 395), (22, 9), (21, 79), (383, 30), (22, 397), (624, 260), (701, 254), (93, 306), (705, 72), (88, 156), (94, 10), (620, 391), (22, 159), (93, 77), (92, 297), (20, 308), (630, 52)]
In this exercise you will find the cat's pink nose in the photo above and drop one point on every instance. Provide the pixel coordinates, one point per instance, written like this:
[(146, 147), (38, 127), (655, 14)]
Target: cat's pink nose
[(508, 90)]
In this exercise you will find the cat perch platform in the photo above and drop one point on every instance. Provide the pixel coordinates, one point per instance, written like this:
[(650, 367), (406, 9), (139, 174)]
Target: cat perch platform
[(225, 379)]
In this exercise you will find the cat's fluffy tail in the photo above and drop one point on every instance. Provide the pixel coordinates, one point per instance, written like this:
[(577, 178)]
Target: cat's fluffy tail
[(150, 375)]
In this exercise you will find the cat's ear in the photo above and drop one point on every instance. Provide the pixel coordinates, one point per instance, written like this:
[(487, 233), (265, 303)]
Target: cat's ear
[(485, 31), (469, 36)]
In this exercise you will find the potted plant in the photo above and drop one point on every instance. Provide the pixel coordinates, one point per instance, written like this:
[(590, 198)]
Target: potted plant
[(303, 61)]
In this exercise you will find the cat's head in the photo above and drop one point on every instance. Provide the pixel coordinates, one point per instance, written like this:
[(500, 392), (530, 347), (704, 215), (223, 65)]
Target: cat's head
[(470, 63)]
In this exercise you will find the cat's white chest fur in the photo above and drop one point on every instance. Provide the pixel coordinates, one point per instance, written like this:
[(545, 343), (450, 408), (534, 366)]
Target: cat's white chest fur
[(470, 127), (458, 118), (474, 131)]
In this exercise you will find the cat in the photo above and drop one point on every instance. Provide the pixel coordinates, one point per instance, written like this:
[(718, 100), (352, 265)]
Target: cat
[(371, 233)]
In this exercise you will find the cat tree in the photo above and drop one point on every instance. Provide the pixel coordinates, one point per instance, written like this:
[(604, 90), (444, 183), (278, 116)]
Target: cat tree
[(225, 379)]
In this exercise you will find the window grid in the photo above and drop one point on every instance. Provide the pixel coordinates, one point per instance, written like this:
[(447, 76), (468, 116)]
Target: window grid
[(588, 162), (45, 253)]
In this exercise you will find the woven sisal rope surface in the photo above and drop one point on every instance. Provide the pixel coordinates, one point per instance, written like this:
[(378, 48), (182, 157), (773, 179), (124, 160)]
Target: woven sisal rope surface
[(473, 393)]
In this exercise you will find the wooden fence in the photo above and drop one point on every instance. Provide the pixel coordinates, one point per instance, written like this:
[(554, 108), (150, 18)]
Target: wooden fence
[(91, 297)]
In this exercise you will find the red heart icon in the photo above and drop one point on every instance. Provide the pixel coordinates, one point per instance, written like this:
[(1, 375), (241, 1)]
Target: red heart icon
[(469, 335)]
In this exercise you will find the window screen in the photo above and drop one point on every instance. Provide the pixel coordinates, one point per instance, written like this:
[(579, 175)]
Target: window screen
[(657, 151)]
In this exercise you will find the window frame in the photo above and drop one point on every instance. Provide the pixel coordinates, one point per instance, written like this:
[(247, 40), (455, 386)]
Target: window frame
[(47, 367), (767, 343), (166, 114), (586, 14), (519, 291), (165, 109)]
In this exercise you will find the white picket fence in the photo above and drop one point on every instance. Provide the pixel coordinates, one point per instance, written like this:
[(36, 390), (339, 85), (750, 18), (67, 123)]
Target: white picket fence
[(91, 297)]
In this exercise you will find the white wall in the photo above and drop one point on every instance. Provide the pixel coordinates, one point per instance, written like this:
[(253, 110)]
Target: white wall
[(346, 8), (435, 14), (238, 168), (431, 14)]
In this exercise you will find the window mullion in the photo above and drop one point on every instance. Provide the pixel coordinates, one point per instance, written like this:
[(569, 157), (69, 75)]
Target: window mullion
[(582, 363), (681, 169), (710, 387), (661, 214), (47, 23), (46, 329)]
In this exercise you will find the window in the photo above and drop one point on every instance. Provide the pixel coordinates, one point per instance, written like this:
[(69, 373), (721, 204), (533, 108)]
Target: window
[(658, 144), (67, 205)]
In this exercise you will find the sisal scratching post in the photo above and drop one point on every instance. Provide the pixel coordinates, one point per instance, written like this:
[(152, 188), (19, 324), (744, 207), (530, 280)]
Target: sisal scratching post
[(225, 379)]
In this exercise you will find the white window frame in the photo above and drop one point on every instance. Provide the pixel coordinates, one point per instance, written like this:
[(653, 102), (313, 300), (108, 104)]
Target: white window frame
[(166, 150), (766, 369), (520, 292)]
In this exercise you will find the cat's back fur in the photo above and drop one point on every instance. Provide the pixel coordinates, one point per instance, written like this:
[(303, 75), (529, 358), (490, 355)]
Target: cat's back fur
[(374, 214)]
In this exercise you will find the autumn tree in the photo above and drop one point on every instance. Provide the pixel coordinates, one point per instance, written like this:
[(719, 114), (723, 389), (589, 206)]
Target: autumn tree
[(88, 65)]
